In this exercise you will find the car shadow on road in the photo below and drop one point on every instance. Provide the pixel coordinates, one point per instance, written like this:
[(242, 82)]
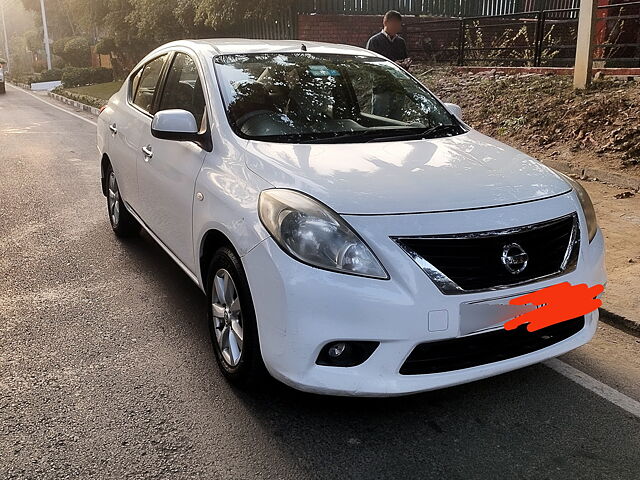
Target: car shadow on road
[(531, 423)]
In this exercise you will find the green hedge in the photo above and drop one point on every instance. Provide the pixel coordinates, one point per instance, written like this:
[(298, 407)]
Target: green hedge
[(86, 99), (77, 77), (36, 77), (48, 75), (70, 76)]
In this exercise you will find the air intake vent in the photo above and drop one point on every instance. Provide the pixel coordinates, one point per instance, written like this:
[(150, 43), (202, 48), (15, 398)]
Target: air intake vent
[(483, 348)]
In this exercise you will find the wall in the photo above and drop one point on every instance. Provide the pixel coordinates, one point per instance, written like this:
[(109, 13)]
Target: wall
[(347, 29), (357, 29)]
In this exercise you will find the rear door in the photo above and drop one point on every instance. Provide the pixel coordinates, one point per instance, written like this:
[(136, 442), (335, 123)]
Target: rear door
[(131, 118), (167, 174)]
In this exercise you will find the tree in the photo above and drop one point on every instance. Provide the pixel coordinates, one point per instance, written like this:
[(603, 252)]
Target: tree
[(106, 46), (219, 14), (137, 26), (77, 52)]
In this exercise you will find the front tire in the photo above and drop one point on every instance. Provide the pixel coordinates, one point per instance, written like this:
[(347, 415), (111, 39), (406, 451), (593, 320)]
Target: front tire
[(122, 222), (232, 321)]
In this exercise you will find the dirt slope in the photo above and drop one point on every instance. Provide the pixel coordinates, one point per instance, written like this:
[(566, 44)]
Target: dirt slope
[(544, 116)]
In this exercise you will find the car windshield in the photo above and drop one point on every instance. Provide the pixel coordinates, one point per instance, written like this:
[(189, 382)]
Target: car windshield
[(304, 97)]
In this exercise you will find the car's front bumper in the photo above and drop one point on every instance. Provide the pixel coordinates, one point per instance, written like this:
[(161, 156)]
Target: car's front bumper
[(300, 309)]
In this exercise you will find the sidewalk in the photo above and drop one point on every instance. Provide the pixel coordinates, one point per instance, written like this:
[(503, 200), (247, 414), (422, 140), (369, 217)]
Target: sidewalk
[(619, 219)]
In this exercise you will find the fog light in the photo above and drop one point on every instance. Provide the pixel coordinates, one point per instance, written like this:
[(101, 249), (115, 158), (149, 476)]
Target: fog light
[(337, 349), (345, 353)]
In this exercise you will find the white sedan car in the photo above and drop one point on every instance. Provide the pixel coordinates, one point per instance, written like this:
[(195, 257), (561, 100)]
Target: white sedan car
[(2, 80), (353, 236)]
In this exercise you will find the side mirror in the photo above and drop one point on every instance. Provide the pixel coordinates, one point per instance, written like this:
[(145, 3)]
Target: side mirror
[(454, 109), (176, 124)]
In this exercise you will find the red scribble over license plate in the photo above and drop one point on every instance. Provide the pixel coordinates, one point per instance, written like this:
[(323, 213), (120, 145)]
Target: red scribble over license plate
[(557, 304)]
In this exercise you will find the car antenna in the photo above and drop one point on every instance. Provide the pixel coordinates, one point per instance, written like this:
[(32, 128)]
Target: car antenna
[(303, 47)]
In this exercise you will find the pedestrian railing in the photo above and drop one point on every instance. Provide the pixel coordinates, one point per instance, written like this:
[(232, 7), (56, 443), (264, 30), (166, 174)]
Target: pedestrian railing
[(534, 38)]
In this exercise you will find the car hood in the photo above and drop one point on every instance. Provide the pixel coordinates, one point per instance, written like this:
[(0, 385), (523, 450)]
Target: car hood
[(452, 173)]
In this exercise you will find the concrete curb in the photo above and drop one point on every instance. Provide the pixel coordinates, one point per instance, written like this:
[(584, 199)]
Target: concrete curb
[(630, 326), (86, 108), (24, 86)]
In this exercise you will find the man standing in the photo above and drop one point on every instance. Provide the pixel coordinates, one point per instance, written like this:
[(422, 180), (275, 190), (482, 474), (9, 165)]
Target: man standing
[(388, 43)]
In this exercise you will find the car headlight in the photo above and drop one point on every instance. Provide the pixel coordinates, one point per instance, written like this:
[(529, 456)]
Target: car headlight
[(313, 234), (587, 207)]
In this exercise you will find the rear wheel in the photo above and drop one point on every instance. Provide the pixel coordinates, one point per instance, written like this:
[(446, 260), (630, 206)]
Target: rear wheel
[(232, 321), (122, 222)]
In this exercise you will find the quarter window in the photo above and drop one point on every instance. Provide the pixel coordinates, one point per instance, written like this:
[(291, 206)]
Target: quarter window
[(145, 83), (183, 88)]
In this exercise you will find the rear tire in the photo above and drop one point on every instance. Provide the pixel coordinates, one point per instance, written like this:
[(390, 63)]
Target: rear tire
[(232, 321), (122, 222)]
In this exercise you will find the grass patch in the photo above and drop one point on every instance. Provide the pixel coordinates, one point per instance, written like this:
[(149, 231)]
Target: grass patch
[(101, 91)]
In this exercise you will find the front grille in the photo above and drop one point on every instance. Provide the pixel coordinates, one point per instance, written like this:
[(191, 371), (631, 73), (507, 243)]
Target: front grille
[(484, 348), (473, 261)]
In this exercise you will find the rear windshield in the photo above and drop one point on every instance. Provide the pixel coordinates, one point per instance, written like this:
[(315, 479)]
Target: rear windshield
[(298, 97)]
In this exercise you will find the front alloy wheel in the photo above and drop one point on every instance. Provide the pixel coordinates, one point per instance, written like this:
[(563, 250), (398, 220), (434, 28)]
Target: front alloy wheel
[(232, 321), (227, 317)]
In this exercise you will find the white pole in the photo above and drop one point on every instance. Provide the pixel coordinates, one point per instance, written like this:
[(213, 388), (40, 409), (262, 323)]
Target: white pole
[(46, 35), (4, 29), (585, 43)]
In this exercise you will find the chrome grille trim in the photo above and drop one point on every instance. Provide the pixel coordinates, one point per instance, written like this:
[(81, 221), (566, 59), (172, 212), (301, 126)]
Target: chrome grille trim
[(448, 287)]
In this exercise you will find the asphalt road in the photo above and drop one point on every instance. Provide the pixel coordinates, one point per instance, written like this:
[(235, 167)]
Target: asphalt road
[(106, 369)]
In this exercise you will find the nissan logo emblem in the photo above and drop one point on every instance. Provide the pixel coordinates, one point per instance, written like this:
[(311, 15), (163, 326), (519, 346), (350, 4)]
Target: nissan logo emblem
[(514, 258)]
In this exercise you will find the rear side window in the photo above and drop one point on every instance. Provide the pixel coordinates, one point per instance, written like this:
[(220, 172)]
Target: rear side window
[(183, 88), (145, 83)]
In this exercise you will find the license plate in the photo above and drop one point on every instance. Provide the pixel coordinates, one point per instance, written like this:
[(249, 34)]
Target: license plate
[(489, 314)]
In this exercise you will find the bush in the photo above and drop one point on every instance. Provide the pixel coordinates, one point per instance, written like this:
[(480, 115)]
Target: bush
[(46, 76), (77, 77), (77, 52), (105, 46), (49, 75), (86, 99), (57, 47), (21, 78)]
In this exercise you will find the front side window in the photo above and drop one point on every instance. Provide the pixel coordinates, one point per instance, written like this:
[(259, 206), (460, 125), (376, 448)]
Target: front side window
[(145, 83), (183, 88), (326, 98)]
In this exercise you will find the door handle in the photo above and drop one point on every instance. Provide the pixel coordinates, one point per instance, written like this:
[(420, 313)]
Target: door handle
[(148, 153), (113, 128)]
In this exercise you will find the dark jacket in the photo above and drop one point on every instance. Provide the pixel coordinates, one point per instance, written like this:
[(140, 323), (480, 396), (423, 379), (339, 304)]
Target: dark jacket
[(394, 50)]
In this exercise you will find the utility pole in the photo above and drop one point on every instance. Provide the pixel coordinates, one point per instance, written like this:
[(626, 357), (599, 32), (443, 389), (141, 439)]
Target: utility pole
[(4, 29), (46, 35), (585, 43)]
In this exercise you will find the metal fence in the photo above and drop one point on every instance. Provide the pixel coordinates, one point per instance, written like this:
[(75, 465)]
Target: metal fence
[(438, 8), (534, 38), (282, 27)]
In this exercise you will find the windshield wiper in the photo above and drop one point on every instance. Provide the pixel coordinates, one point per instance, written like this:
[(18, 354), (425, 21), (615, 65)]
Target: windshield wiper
[(432, 132), (360, 135), (381, 135)]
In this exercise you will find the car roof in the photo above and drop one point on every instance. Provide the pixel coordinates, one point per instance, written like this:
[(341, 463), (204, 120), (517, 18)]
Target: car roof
[(224, 46)]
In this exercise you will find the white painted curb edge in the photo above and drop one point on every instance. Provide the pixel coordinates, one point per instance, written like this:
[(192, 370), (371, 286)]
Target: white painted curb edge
[(86, 108)]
